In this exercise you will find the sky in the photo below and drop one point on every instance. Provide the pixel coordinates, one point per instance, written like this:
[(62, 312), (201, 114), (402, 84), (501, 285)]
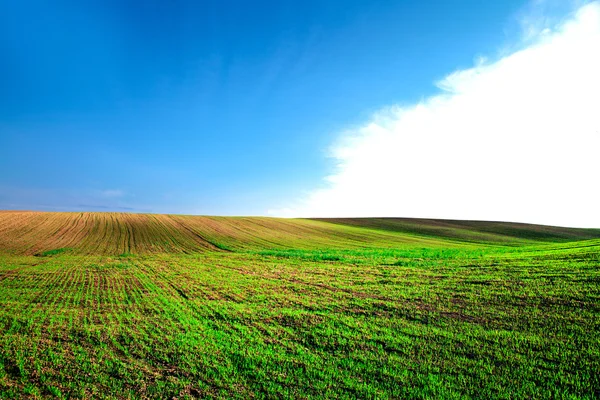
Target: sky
[(435, 109)]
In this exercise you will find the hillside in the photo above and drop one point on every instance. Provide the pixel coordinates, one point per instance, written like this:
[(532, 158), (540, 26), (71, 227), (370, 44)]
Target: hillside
[(29, 232), (471, 231), (140, 306)]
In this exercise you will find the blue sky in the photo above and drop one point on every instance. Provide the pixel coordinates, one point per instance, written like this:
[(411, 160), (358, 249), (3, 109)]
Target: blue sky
[(225, 107)]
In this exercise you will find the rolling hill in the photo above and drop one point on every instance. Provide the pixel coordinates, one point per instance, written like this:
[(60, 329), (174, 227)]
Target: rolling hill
[(128, 306), (30, 232)]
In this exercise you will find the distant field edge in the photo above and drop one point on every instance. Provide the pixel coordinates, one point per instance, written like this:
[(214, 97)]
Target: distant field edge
[(470, 230)]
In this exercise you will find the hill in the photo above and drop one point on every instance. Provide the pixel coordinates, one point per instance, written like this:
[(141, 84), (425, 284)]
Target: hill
[(471, 231), (30, 232), (128, 306)]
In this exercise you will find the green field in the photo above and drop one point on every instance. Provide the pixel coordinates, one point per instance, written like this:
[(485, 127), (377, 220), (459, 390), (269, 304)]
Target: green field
[(102, 305)]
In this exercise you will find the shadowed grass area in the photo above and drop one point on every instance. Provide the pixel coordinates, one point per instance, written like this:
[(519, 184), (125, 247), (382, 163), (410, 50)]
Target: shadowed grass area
[(470, 231), (53, 252), (428, 318)]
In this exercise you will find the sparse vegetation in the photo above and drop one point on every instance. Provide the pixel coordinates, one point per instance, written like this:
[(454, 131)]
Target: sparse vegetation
[(144, 307)]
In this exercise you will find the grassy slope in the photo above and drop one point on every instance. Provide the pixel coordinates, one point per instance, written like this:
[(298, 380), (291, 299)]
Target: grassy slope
[(23, 232), (474, 231), (297, 309), (117, 233)]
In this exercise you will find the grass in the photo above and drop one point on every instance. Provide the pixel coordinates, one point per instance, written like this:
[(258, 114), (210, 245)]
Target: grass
[(49, 253), (410, 317)]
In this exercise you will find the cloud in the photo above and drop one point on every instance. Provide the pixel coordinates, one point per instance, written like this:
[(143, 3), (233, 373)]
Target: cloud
[(517, 139), (112, 193)]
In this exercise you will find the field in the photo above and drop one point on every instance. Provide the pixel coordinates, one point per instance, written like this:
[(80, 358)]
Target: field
[(107, 305)]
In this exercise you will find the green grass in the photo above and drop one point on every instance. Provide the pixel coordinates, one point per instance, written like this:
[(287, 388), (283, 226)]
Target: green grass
[(446, 321), (53, 252)]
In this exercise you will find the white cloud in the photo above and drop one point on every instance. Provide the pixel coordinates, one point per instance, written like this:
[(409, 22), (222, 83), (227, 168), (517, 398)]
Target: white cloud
[(112, 193), (517, 139)]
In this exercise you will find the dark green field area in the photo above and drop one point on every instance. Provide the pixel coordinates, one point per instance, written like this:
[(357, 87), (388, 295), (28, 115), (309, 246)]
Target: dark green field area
[(245, 308)]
